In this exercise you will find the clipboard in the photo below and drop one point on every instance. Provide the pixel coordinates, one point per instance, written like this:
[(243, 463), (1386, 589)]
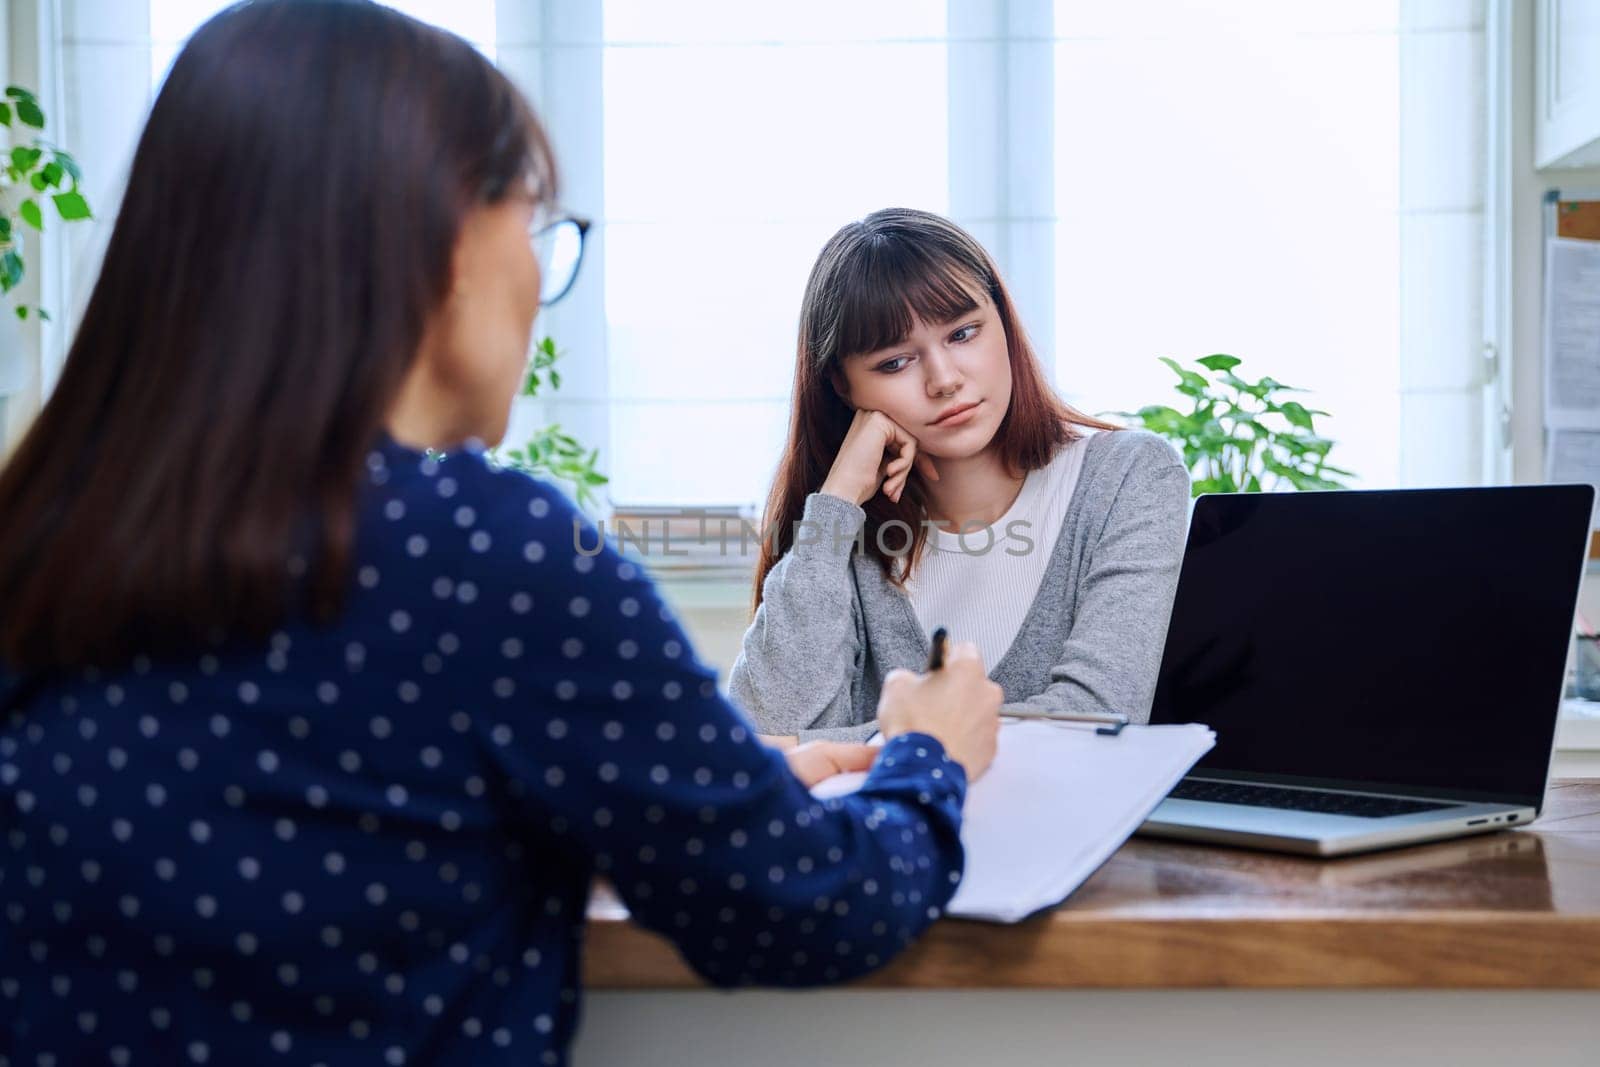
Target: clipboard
[(1061, 797), (1109, 723), (1570, 341)]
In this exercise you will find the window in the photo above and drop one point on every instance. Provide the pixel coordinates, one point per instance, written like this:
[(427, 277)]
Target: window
[(1249, 208), (1299, 185), (111, 58), (172, 21), (737, 138)]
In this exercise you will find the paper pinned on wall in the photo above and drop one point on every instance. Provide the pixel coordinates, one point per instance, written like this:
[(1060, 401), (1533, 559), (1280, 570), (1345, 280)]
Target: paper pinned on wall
[(1572, 338), (1574, 456)]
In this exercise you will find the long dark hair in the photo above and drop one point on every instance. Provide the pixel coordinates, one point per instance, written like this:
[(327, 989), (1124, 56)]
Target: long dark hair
[(288, 227), (870, 283)]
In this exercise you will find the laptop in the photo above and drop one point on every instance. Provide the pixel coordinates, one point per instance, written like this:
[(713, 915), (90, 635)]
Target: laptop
[(1380, 667)]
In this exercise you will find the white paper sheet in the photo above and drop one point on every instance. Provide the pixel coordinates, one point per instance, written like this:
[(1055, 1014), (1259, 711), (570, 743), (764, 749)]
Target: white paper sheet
[(1574, 456), (1058, 801), (1572, 334)]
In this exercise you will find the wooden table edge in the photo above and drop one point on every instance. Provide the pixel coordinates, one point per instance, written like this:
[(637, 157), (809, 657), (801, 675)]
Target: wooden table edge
[(1068, 950)]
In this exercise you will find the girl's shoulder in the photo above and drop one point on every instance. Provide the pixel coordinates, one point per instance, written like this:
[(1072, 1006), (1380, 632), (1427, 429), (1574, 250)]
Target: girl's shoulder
[(1118, 454)]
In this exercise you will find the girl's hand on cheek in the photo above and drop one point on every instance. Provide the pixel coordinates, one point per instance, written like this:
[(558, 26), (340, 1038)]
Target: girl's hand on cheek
[(877, 453), (898, 470)]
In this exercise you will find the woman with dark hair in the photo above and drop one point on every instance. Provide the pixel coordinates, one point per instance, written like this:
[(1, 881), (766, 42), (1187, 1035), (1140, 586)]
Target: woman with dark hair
[(315, 727), (933, 478)]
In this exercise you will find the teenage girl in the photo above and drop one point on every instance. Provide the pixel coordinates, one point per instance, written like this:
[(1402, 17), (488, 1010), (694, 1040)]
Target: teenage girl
[(931, 477)]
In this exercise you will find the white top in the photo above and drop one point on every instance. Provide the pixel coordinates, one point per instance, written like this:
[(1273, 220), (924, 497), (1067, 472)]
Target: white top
[(980, 584)]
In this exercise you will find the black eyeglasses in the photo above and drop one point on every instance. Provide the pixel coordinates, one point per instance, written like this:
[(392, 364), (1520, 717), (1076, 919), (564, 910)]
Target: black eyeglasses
[(559, 246)]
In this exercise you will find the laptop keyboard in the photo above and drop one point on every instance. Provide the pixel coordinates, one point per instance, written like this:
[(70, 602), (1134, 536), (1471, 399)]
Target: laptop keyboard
[(1271, 796)]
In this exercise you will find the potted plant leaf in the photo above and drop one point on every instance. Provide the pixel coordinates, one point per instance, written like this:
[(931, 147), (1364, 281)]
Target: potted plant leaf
[(35, 176), (1241, 436), (32, 173), (549, 451)]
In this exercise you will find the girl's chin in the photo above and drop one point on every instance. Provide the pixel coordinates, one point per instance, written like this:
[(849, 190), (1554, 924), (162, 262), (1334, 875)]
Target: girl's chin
[(956, 450)]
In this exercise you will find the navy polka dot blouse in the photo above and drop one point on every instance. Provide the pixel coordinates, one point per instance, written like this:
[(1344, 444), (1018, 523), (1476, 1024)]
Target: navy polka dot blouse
[(373, 843)]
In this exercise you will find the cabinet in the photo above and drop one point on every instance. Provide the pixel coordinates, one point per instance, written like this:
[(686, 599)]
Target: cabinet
[(1567, 83)]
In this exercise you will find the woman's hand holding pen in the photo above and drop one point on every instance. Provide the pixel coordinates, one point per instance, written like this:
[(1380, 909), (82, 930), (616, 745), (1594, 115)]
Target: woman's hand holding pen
[(955, 703), (877, 453)]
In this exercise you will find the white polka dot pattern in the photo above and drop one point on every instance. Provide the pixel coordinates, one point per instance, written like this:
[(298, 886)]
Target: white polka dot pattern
[(360, 842)]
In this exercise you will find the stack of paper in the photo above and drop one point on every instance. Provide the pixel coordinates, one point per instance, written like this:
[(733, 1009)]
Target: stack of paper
[(1058, 801)]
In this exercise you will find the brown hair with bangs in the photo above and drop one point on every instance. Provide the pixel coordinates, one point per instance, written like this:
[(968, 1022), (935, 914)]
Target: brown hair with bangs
[(288, 228), (872, 282)]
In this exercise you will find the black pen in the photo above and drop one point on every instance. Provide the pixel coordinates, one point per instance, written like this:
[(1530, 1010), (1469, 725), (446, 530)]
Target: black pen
[(1114, 721)]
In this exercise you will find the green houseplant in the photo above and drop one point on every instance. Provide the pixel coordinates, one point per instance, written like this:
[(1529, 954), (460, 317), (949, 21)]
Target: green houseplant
[(551, 452), (1238, 434), (31, 174)]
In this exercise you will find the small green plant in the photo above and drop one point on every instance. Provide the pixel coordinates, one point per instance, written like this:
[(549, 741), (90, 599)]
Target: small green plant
[(1239, 433), (551, 451), (38, 170)]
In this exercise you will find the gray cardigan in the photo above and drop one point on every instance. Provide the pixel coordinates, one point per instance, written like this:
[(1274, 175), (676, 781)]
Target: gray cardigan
[(830, 626)]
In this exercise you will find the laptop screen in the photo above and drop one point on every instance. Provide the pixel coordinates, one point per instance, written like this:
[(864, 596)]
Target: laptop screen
[(1404, 639)]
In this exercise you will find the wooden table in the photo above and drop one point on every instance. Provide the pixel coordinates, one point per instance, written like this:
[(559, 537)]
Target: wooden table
[(1515, 909)]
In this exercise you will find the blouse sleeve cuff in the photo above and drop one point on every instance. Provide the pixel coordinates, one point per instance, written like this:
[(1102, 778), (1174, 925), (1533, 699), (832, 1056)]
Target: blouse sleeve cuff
[(918, 761)]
